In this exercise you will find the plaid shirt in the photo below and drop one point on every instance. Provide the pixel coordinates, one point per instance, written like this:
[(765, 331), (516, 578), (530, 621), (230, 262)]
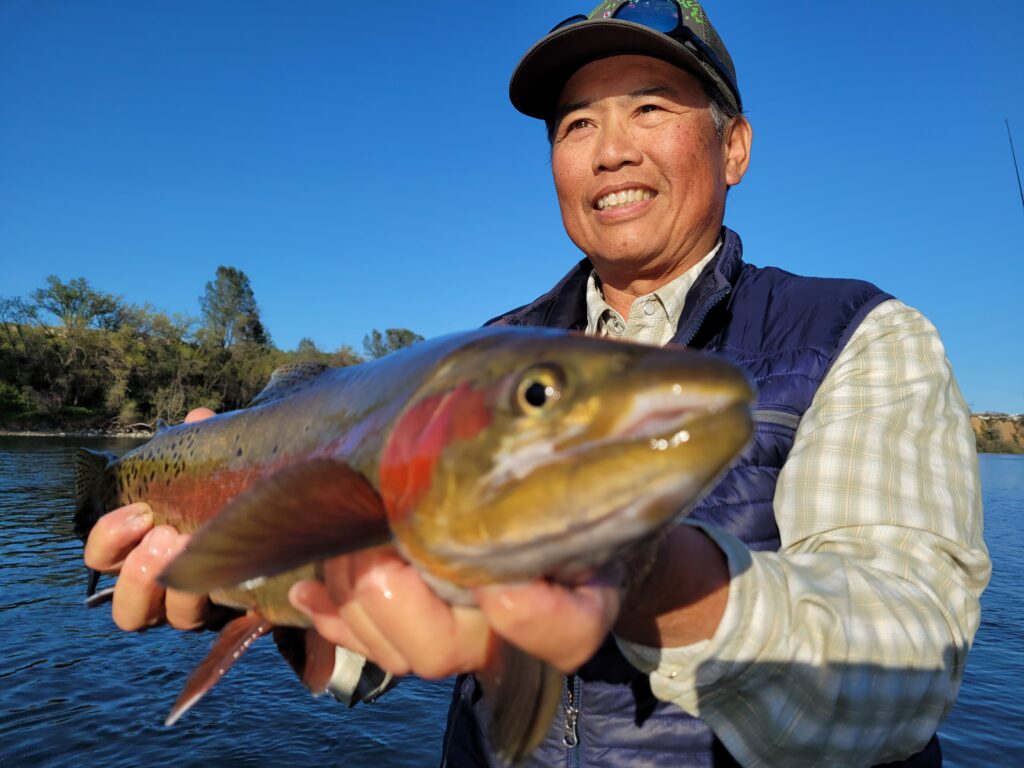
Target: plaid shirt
[(847, 646)]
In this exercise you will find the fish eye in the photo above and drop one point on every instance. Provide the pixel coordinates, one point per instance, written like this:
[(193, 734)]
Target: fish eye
[(539, 388)]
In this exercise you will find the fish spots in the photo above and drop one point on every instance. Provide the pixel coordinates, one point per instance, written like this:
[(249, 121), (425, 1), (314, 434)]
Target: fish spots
[(420, 437), (238, 453)]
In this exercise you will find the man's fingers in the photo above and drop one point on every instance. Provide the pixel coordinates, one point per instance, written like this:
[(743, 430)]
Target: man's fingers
[(115, 535), (560, 625), (312, 599), (138, 596), (435, 639)]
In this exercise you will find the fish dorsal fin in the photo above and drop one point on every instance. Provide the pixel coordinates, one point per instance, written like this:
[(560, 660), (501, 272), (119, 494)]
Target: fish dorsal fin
[(523, 694), (301, 514), (287, 380), (89, 468), (232, 642), (159, 426)]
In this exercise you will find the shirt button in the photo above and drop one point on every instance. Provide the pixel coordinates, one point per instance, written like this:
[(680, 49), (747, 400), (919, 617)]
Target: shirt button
[(649, 308)]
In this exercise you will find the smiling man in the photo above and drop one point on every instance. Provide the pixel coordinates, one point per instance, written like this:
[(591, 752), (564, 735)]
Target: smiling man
[(817, 607)]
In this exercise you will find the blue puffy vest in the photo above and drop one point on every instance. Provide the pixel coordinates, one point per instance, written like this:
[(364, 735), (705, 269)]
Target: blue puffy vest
[(785, 331)]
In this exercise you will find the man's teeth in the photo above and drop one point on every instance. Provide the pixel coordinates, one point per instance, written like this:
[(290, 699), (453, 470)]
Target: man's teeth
[(621, 198)]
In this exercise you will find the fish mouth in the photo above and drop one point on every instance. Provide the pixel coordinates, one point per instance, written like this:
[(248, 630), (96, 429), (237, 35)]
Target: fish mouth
[(664, 416), (644, 506)]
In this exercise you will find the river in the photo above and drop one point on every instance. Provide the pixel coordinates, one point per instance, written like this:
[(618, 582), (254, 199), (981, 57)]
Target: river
[(74, 689)]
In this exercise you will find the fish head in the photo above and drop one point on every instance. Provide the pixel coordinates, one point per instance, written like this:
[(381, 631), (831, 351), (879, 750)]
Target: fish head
[(539, 453)]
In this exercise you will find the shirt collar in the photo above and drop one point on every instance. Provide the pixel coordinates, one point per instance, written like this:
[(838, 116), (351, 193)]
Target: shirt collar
[(671, 297)]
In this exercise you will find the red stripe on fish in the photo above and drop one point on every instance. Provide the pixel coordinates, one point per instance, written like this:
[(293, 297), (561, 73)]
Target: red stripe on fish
[(419, 437)]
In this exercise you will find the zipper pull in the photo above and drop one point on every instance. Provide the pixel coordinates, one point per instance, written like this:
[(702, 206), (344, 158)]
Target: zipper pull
[(571, 737)]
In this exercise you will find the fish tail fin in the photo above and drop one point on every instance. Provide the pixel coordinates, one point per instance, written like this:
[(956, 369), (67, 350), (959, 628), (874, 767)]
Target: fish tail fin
[(90, 473), (233, 641), (523, 694)]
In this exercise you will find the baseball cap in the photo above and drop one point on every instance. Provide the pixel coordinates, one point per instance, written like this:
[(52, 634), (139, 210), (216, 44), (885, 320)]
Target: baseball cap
[(676, 31)]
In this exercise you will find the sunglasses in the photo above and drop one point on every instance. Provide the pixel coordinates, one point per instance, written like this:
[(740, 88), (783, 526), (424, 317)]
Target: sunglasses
[(665, 16)]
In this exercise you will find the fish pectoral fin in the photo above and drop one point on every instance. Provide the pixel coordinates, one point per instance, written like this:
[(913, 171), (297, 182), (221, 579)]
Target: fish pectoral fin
[(233, 641), (303, 513), (523, 694)]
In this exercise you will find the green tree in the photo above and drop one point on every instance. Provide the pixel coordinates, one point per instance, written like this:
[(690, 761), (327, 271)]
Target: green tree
[(377, 344), (230, 313), (76, 342), (76, 305)]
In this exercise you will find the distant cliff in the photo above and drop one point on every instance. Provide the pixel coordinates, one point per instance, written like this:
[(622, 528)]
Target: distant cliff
[(998, 432)]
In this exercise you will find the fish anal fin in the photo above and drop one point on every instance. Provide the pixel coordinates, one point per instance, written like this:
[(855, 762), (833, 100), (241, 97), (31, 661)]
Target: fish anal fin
[(233, 641), (301, 514), (523, 694), (287, 380)]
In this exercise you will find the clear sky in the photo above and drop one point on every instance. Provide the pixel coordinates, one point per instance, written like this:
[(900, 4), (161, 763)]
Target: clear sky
[(362, 164)]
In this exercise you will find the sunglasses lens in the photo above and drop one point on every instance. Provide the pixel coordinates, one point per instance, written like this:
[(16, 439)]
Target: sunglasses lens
[(659, 15), (571, 20)]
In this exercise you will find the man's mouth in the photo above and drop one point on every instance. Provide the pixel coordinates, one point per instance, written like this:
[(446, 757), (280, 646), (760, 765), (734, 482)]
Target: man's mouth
[(623, 197)]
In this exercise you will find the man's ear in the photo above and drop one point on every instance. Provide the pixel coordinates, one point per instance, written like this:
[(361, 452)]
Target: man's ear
[(736, 147)]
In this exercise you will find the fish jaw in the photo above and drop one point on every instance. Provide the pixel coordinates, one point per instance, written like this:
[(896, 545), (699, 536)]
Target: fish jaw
[(638, 434)]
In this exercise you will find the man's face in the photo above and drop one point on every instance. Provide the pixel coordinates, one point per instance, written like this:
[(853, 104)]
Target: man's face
[(639, 168)]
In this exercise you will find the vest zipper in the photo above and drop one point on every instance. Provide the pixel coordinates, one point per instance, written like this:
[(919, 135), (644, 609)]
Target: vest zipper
[(571, 734), (710, 304)]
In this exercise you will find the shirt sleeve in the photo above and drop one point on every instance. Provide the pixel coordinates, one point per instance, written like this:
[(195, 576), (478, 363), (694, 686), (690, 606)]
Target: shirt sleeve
[(847, 646)]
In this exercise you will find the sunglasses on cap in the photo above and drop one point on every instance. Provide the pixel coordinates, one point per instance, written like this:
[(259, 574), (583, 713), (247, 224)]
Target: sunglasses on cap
[(666, 17)]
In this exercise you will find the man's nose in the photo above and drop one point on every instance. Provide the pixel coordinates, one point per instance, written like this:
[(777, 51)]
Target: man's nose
[(616, 147)]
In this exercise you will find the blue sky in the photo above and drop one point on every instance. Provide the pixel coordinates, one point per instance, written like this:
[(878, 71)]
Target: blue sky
[(362, 164)]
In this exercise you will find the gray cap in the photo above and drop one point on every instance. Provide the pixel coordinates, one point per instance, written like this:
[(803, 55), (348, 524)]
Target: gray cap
[(692, 45)]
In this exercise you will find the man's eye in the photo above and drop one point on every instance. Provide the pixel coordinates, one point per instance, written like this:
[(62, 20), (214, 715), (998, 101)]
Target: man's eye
[(576, 125), (649, 108)]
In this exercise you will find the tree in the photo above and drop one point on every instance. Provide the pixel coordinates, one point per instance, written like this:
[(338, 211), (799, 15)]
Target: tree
[(307, 349), (76, 305), (377, 344), (76, 342), (230, 313)]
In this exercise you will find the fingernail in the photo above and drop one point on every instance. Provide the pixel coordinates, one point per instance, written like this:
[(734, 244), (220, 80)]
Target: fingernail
[(140, 518), (297, 597)]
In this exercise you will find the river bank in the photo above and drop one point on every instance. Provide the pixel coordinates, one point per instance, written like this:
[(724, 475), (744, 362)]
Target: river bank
[(993, 432), (999, 432)]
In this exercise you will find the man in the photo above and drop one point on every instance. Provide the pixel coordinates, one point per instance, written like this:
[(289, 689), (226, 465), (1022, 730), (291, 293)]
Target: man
[(817, 607)]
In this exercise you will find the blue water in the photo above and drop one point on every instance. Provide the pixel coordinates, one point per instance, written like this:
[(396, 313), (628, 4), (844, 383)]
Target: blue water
[(74, 689)]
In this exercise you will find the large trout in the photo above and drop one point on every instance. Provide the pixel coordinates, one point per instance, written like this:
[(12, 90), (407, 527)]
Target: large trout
[(489, 457)]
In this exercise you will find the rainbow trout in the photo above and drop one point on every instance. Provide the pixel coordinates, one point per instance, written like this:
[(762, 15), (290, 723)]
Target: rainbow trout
[(489, 457)]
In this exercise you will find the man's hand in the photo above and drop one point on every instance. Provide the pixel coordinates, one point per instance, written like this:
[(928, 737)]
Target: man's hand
[(376, 604), (124, 541)]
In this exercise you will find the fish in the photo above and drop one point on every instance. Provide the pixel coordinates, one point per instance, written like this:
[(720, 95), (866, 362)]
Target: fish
[(493, 456)]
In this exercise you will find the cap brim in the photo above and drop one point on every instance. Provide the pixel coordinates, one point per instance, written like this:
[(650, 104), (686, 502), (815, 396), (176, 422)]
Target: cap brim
[(539, 77)]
